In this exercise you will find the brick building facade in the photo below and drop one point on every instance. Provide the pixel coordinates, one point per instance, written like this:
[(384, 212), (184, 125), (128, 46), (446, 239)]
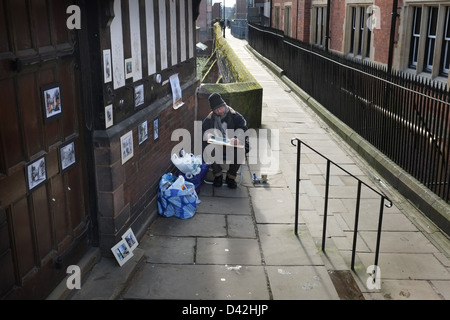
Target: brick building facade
[(362, 30)]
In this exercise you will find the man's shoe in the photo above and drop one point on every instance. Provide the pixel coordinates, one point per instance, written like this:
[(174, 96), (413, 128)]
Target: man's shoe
[(231, 183), (218, 181)]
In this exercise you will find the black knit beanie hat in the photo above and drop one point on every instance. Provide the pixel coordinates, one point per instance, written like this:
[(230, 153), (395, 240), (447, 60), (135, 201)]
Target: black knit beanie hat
[(215, 101)]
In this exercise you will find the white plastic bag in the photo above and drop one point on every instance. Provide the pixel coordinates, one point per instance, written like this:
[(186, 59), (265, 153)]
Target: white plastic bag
[(178, 184), (187, 163)]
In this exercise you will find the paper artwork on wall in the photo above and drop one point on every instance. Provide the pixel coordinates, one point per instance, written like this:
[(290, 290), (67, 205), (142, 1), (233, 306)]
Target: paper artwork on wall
[(176, 91)]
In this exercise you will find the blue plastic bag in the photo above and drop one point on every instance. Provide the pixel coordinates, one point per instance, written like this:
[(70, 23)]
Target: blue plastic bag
[(176, 197), (198, 179)]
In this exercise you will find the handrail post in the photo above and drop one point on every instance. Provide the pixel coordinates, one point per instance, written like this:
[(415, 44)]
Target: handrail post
[(380, 221), (325, 207), (355, 232), (297, 184)]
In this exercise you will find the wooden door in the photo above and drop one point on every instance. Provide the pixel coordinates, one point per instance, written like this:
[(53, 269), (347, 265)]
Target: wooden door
[(43, 211)]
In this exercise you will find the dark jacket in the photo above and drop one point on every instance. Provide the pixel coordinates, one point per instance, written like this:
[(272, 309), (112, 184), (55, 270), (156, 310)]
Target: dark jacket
[(234, 121)]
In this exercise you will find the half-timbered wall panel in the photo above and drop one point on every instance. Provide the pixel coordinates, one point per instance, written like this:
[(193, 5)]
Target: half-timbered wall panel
[(183, 31), (163, 34), (151, 37), (156, 40), (173, 32), (191, 29), (135, 37), (117, 51)]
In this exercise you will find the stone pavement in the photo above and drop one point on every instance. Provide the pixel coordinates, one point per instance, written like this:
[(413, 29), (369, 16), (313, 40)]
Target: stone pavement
[(241, 245)]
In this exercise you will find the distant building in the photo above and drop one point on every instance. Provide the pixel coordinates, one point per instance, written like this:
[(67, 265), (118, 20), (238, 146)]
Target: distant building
[(361, 30)]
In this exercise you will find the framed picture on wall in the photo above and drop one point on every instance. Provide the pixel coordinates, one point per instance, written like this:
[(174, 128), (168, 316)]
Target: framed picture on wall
[(122, 252), (139, 95), (67, 155), (155, 129), (107, 71), (126, 146), (36, 172), (52, 101), (143, 132), (109, 120), (128, 68)]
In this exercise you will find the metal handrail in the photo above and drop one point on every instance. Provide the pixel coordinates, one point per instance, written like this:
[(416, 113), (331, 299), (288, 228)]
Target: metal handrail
[(358, 200)]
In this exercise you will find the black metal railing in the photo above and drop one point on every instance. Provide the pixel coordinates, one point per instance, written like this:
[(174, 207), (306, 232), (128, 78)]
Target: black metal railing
[(405, 117), (298, 143)]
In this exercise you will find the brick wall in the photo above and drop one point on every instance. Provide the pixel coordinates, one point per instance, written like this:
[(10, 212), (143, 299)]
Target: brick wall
[(127, 192)]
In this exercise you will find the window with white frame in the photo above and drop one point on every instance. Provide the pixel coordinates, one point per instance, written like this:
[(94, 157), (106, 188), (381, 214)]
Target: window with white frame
[(360, 34), (287, 21), (319, 25), (429, 49), (445, 60), (277, 17)]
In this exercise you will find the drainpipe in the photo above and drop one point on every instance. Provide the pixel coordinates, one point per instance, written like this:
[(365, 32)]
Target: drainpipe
[(224, 21), (391, 40), (296, 24), (327, 33)]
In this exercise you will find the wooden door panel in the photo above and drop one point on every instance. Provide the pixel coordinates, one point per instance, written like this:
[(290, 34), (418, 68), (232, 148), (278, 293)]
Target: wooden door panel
[(75, 198), (52, 161), (70, 123), (29, 107), (10, 133), (40, 23), (18, 11), (12, 187), (23, 239), (52, 133), (58, 203), (4, 43), (7, 278), (43, 222), (59, 27)]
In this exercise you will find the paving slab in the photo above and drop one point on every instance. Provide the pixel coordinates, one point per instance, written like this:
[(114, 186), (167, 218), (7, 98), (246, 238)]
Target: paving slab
[(301, 283), (409, 290), (281, 246), (227, 251), (241, 226), (223, 205), (200, 225), (273, 205), (405, 266), (202, 282), (167, 249)]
